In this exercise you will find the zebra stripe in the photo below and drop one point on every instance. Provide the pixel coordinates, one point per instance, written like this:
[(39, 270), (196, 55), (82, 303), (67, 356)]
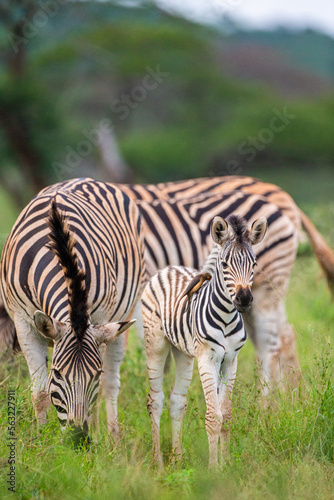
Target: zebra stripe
[(176, 218), (31, 275), (74, 363), (190, 242), (211, 329), (64, 271), (192, 188)]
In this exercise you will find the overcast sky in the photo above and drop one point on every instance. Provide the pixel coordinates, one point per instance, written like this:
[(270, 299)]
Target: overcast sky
[(316, 14)]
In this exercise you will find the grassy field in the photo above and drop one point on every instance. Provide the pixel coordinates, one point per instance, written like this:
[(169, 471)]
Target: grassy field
[(283, 451)]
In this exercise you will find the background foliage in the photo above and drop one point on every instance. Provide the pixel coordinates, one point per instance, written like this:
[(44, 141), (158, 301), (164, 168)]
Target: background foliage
[(60, 80), (65, 75)]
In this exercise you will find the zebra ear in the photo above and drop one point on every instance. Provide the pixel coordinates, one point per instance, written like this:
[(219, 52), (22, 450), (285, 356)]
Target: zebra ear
[(51, 329), (219, 230), (258, 231), (109, 332)]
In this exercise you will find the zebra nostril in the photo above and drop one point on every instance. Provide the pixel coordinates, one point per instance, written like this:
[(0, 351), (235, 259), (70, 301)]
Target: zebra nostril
[(243, 299)]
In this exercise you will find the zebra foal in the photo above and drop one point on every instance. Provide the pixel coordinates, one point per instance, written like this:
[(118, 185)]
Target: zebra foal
[(210, 329)]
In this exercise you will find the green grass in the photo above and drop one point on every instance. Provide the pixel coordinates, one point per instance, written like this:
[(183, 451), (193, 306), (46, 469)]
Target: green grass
[(283, 451)]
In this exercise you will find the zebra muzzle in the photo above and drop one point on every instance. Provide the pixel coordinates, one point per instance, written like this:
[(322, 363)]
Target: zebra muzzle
[(79, 433), (243, 299)]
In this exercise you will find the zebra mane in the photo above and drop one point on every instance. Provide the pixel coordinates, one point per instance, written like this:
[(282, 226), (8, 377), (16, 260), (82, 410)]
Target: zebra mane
[(239, 226), (63, 245)]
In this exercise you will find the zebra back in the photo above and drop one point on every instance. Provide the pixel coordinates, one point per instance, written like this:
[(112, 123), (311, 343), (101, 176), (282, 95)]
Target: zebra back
[(192, 188)]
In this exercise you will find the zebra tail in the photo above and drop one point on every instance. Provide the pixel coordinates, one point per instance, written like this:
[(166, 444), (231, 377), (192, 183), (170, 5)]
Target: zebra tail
[(62, 243), (8, 336), (323, 253)]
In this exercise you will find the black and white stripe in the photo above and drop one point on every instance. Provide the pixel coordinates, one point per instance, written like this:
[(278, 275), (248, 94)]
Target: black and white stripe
[(210, 329), (177, 216), (176, 232), (72, 269)]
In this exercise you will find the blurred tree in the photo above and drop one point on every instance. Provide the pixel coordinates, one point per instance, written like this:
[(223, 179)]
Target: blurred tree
[(89, 63), (27, 115)]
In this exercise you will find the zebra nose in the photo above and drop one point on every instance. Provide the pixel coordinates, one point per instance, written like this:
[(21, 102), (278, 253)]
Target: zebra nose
[(79, 434), (243, 299)]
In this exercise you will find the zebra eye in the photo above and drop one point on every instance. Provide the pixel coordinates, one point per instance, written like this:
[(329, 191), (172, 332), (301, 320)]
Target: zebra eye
[(225, 265), (57, 374)]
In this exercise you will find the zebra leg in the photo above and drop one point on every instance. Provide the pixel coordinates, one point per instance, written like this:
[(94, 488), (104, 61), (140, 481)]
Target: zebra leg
[(266, 341), (274, 339), (113, 357), (213, 418), (95, 417), (288, 352), (139, 324), (157, 349), (178, 398), (289, 356), (263, 325), (227, 377), (34, 348)]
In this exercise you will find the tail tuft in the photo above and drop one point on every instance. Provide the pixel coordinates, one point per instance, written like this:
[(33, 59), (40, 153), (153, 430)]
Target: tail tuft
[(8, 337)]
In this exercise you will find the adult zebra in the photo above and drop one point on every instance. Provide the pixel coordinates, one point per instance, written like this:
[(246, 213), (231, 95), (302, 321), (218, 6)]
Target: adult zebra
[(211, 330), (63, 277), (192, 188)]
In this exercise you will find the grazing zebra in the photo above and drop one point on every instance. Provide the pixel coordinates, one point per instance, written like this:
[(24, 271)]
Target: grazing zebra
[(74, 280), (177, 231), (211, 330)]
